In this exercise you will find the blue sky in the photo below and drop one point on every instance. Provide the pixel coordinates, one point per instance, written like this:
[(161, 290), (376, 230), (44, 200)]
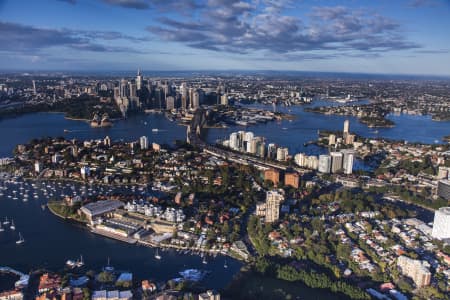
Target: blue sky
[(368, 36)]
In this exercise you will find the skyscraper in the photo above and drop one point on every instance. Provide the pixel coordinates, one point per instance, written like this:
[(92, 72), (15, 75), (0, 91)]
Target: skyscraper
[(132, 88), (143, 141), (273, 201), (347, 164), (34, 87), (346, 128), (324, 163), (123, 88), (336, 161), (139, 80)]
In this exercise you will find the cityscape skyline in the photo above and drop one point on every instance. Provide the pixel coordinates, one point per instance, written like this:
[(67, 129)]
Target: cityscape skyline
[(405, 37)]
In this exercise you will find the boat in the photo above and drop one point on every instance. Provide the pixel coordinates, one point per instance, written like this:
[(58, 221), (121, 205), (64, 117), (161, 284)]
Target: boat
[(12, 227), (80, 262), (6, 222), (157, 256), (204, 261), (108, 268), (155, 130), (20, 240), (70, 263), (225, 264), (1, 228)]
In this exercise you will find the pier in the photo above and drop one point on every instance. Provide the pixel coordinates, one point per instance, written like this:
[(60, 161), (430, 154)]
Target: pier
[(23, 280)]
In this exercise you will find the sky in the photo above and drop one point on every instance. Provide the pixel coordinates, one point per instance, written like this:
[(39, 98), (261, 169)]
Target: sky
[(357, 36)]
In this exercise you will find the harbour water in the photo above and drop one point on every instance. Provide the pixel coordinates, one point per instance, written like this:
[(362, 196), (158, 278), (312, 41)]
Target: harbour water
[(50, 241)]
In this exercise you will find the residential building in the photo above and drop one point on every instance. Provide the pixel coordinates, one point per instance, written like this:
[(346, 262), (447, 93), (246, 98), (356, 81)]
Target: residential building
[(417, 270)]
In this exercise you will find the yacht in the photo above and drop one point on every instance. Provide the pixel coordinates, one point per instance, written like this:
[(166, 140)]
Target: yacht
[(6, 222), (157, 256), (70, 263), (20, 240), (13, 227), (108, 268), (80, 262)]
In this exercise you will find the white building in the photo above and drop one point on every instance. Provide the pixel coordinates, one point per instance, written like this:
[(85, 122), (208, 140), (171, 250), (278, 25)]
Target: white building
[(324, 163), (441, 225), (143, 141)]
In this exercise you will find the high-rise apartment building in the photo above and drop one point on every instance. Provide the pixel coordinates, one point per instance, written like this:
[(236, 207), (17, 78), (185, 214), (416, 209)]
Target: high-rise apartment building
[(441, 224), (273, 201), (417, 270), (324, 163)]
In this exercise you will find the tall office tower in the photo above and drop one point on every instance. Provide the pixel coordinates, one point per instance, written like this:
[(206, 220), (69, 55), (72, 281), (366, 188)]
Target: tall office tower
[(123, 88), (170, 102), (139, 80), (441, 224), (336, 161), (34, 87), (195, 100), (116, 93), (132, 88), (331, 139), (191, 97), (234, 141), (346, 128), (324, 163), (273, 201), (143, 141), (241, 136), (271, 151), (443, 189), (348, 159), (224, 99)]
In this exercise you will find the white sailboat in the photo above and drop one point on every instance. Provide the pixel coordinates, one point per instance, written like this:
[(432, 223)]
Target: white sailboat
[(157, 256), (13, 227), (20, 240), (80, 262), (6, 222), (1, 228)]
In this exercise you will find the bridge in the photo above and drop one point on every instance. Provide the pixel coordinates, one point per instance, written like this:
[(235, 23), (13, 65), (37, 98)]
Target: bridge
[(194, 138), (24, 278)]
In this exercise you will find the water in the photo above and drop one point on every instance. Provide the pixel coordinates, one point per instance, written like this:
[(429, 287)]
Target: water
[(26, 127), (293, 134), (50, 241)]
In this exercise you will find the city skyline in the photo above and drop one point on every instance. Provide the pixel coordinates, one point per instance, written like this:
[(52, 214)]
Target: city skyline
[(407, 37)]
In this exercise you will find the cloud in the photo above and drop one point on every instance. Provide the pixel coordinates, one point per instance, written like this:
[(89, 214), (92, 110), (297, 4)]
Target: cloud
[(26, 39), (261, 26), (423, 3), (68, 1), (136, 4)]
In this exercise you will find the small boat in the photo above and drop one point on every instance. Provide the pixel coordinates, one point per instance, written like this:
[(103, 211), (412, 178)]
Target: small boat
[(12, 227), (204, 261), (20, 240), (225, 264), (80, 262), (155, 130), (70, 263), (108, 267), (157, 256), (1, 228), (6, 222)]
